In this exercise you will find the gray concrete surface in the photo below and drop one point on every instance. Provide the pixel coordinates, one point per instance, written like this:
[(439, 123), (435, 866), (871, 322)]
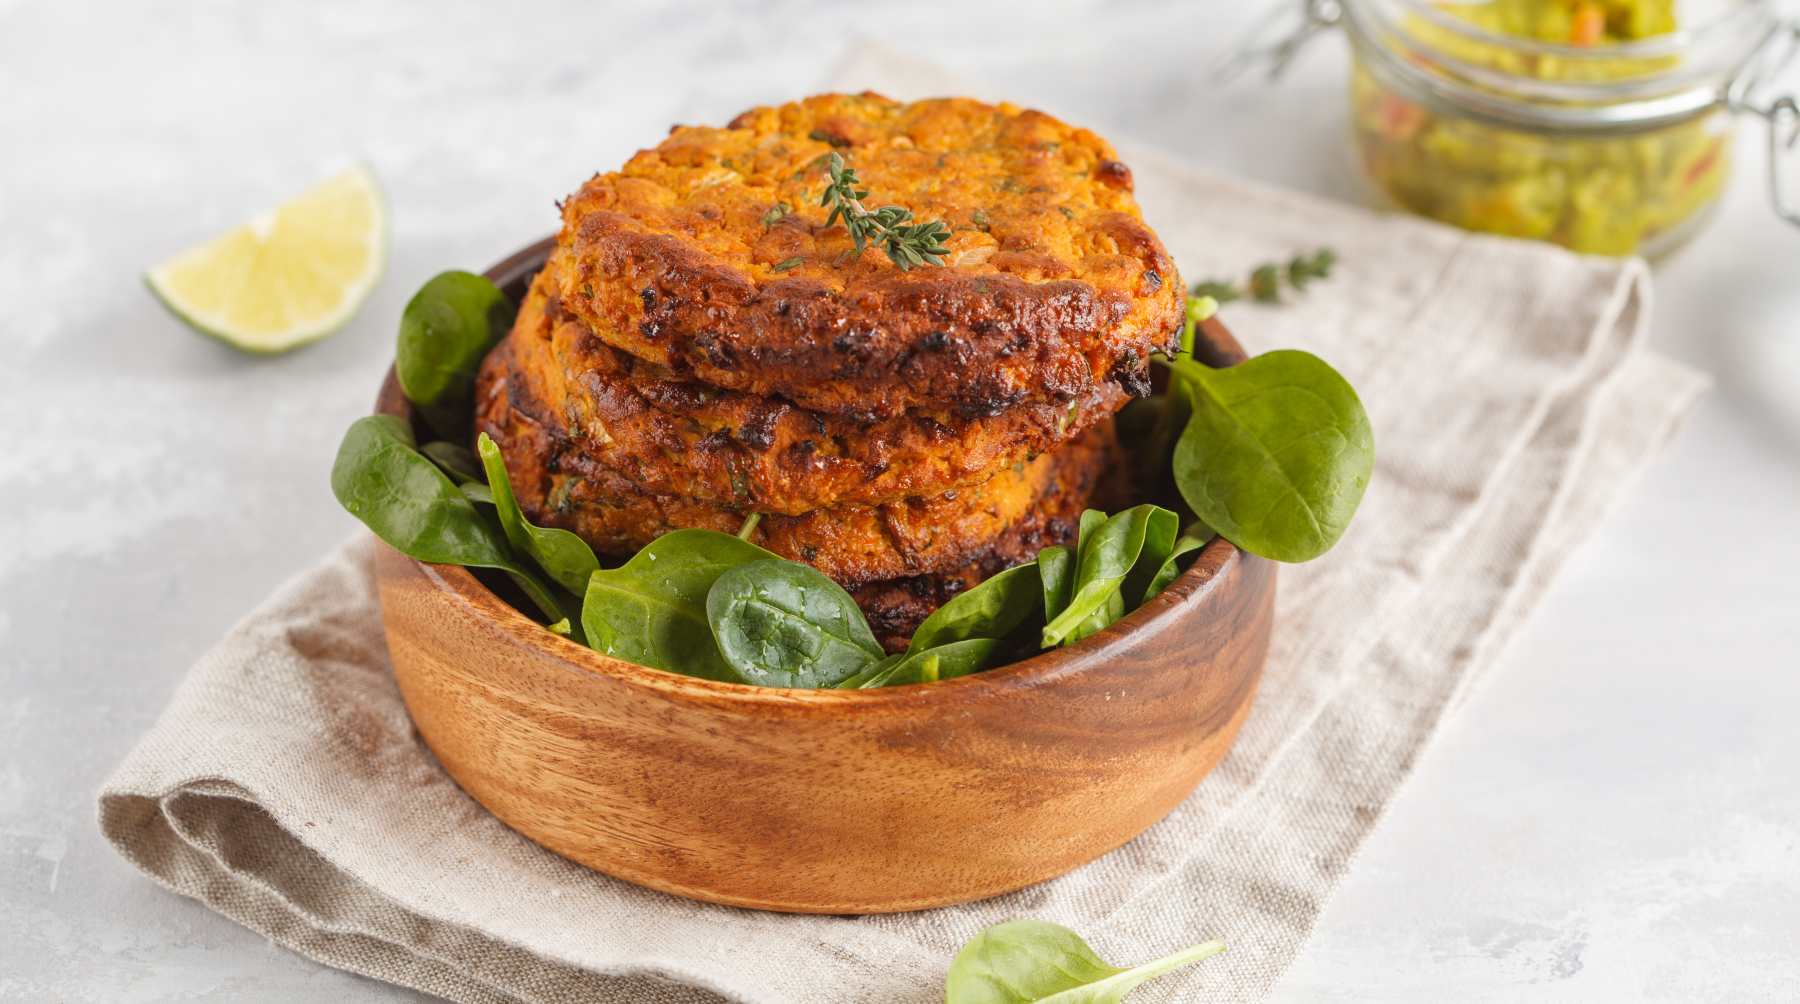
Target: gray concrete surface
[(1614, 817)]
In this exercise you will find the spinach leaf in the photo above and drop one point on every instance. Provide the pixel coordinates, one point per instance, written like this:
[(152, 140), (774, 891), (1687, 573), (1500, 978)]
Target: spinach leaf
[(958, 658), (1174, 406), (1193, 540), (1276, 454), (1103, 615), (652, 609), (1023, 961), (1091, 521), (446, 329), (562, 555), (992, 609), (1138, 423), (1160, 529), (570, 624), (400, 495), (875, 670), (1177, 412), (455, 461), (1056, 571), (1105, 557), (1056, 566), (477, 491), (780, 623)]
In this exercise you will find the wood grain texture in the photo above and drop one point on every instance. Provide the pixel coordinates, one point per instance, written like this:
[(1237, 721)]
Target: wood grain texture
[(828, 801)]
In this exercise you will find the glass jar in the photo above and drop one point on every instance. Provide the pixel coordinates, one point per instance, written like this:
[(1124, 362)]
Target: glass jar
[(1601, 125)]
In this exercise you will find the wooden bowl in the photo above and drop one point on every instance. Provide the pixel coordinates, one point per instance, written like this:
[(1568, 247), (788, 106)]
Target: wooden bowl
[(824, 801)]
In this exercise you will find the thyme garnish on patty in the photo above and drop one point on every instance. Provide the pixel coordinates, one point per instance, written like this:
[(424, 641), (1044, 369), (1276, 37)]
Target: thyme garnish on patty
[(907, 244)]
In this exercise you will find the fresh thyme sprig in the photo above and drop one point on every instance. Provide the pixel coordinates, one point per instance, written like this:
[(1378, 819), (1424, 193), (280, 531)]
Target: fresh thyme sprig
[(1264, 285), (907, 244)]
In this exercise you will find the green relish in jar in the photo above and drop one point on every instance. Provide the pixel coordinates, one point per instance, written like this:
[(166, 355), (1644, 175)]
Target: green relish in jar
[(1605, 195), (1601, 125)]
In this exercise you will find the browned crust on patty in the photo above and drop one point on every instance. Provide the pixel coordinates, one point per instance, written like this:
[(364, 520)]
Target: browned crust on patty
[(708, 255), (672, 436), (560, 485)]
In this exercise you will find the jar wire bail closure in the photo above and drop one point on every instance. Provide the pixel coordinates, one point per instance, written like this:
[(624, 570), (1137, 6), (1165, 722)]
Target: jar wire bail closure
[(1275, 39), (1781, 114)]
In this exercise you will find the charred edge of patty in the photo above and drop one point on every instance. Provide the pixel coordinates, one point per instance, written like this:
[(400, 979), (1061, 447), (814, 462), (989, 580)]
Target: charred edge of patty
[(979, 343), (674, 435), (854, 544)]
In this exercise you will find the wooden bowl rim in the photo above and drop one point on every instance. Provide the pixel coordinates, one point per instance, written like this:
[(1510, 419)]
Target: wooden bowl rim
[(1182, 597)]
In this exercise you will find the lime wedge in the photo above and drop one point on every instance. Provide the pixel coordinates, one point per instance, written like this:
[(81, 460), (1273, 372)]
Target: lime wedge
[(292, 275)]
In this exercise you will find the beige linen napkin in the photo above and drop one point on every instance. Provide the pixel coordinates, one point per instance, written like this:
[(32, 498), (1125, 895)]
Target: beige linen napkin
[(1513, 404)]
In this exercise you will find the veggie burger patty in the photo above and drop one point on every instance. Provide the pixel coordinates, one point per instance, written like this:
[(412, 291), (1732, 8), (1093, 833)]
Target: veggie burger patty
[(560, 484), (671, 435), (702, 347), (709, 254)]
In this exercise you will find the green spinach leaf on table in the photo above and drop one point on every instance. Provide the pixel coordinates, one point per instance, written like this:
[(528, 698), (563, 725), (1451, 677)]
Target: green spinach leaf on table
[(780, 623), (1276, 453), (652, 609), (382, 479), (447, 328), (1027, 961), (561, 554)]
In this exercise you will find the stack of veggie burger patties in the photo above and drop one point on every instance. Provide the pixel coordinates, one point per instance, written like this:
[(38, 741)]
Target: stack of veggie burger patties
[(704, 349)]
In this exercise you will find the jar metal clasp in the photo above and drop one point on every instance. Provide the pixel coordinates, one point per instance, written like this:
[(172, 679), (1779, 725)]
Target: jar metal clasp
[(1276, 39), (1781, 114)]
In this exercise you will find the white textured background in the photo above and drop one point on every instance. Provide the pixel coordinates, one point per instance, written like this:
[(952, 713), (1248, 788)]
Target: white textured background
[(1615, 817)]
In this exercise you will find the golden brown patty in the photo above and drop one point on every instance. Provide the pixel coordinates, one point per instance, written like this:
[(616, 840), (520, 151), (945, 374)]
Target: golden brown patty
[(559, 484), (681, 437), (708, 255)]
